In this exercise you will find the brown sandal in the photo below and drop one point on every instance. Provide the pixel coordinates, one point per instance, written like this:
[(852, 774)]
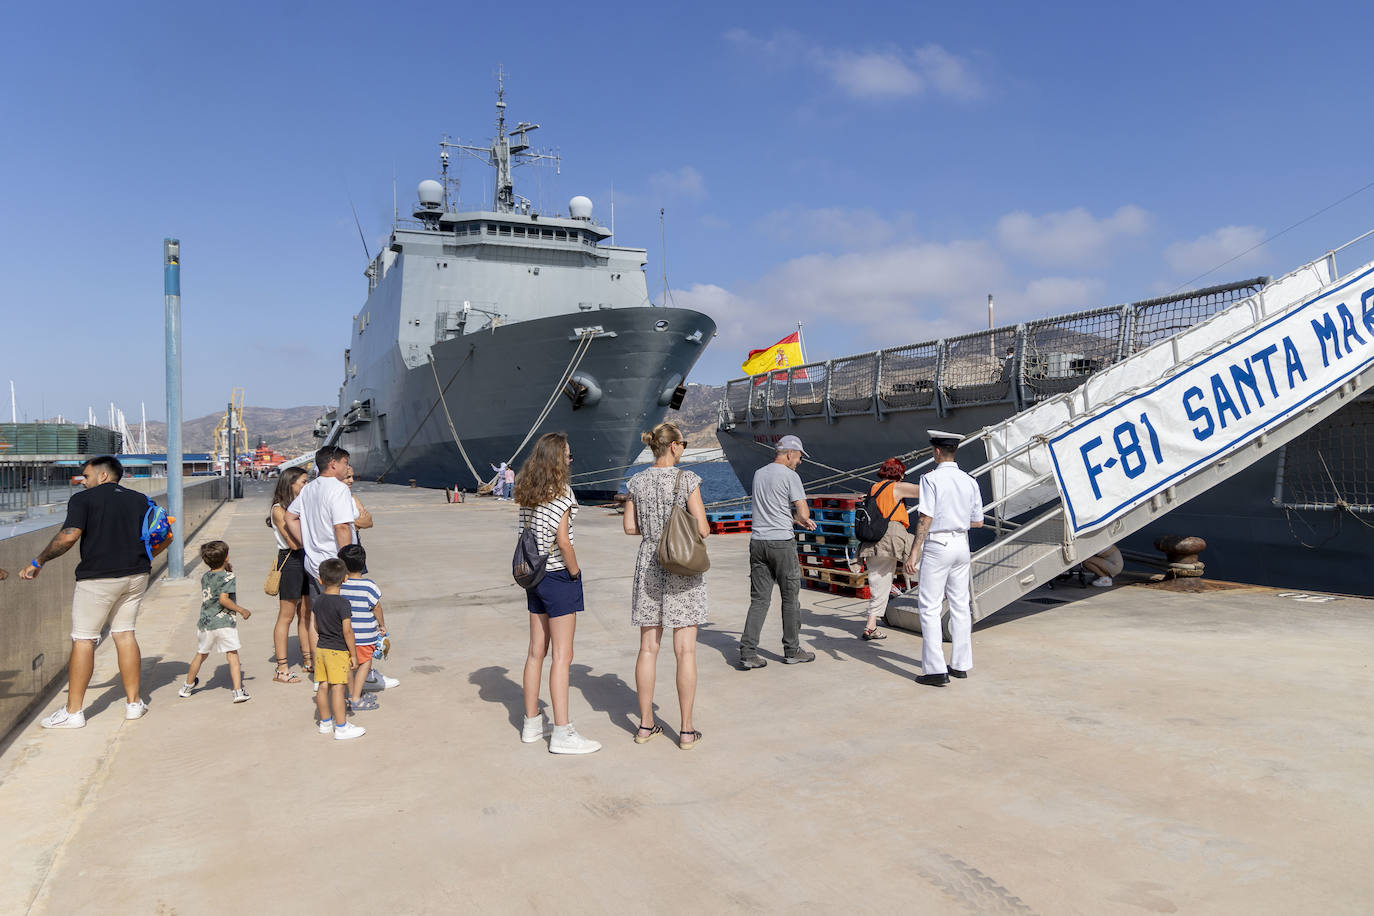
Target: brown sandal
[(654, 732), (285, 675), (696, 739)]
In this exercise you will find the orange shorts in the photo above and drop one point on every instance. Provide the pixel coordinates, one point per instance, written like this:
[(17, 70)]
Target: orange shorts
[(365, 653)]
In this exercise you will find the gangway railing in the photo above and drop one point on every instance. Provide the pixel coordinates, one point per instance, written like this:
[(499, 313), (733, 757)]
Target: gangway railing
[(1078, 472)]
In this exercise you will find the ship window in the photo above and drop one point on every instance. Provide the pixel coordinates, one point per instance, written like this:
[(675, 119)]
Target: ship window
[(547, 233), (560, 234), (491, 230), (520, 231)]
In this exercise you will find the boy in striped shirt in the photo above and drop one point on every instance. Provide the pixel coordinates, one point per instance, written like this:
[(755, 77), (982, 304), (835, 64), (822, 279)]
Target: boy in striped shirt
[(369, 625)]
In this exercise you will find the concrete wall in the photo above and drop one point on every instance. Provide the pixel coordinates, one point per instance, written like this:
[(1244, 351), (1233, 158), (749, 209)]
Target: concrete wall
[(35, 617)]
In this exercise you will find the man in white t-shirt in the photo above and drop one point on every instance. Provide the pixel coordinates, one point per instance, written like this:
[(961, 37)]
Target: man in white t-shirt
[(321, 517)]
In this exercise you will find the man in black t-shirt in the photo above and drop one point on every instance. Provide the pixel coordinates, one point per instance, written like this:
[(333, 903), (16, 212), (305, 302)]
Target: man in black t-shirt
[(110, 581)]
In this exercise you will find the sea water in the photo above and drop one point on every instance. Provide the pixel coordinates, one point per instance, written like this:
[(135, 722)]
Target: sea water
[(718, 480)]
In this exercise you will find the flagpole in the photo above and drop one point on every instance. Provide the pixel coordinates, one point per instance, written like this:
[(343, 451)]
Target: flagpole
[(801, 344)]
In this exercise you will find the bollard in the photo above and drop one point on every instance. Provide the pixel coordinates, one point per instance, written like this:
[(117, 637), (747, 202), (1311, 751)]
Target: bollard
[(412, 483)]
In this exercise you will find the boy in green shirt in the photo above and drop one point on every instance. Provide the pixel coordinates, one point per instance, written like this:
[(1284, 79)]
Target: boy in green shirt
[(217, 630)]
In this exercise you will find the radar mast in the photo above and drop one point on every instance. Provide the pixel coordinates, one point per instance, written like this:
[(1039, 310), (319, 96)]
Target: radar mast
[(506, 151)]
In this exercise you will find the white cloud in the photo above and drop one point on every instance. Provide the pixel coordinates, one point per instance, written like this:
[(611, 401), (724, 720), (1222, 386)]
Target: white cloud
[(1215, 248), (870, 74), (873, 73), (948, 73), (1069, 237), (684, 182), (831, 227), (1053, 295)]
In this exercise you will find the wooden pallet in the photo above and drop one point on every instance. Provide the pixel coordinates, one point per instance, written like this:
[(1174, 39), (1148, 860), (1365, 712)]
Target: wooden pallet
[(836, 575), (826, 562)]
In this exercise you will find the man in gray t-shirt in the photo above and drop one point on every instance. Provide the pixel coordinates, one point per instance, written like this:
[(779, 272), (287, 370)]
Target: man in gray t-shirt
[(779, 504)]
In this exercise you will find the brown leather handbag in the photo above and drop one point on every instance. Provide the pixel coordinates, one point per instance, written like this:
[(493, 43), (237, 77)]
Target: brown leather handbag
[(681, 549)]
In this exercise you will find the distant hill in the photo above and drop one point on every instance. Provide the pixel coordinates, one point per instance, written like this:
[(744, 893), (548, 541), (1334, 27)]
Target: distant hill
[(698, 414), (288, 430)]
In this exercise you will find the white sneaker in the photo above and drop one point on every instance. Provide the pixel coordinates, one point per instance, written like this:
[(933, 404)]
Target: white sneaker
[(135, 710), (1102, 582), (241, 696), (348, 730), (378, 681), (566, 740), (188, 689), (60, 718), (536, 727), (326, 727)]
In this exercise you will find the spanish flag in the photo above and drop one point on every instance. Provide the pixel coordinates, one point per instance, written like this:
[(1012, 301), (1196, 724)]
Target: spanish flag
[(780, 357)]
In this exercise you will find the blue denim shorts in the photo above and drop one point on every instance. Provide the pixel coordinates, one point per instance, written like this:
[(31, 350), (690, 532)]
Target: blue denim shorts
[(556, 595)]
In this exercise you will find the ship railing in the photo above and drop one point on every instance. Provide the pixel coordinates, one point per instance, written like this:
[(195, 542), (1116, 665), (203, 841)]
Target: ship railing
[(1018, 365)]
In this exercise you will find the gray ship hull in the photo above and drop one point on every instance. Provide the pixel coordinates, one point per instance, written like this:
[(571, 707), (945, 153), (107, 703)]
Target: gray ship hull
[(496, 384), (1249, 538)]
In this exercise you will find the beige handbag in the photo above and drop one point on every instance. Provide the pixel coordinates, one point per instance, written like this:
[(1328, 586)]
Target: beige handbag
[(273, 583), (681, 550)]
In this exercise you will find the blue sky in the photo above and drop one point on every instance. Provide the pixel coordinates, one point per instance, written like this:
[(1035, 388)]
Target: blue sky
[(872, 170)]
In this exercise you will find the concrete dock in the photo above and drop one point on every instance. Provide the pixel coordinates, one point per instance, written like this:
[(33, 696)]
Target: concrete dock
[(1123, 751)]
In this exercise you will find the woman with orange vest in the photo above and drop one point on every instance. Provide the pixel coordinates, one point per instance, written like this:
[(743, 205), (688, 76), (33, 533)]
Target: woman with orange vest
[(883, 557)]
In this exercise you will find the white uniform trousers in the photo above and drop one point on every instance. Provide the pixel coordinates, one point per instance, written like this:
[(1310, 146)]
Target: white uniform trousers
[(945, 574)]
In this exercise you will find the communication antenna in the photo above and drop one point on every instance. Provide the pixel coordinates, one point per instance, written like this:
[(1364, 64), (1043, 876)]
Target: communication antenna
[(357, 222)]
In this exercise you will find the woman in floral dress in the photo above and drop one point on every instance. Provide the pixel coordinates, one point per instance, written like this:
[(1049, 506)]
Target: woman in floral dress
[(662, 599)]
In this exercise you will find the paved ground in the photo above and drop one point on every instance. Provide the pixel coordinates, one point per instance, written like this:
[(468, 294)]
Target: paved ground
[(1128, 751)]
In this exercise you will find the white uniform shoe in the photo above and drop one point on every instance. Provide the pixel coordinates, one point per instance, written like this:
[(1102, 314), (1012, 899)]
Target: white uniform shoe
[(566, 740)]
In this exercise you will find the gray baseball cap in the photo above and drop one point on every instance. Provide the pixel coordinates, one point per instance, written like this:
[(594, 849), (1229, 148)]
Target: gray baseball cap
[(791, 443)]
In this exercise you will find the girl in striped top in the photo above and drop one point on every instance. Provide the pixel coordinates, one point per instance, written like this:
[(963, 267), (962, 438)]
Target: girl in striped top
[(547, 504)]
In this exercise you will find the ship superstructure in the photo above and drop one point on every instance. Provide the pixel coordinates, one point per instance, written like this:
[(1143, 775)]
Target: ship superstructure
[(483, 329)]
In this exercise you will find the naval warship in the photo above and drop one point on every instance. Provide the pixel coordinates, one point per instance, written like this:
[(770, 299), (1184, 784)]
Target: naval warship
[(1299, 519), (483, 329)]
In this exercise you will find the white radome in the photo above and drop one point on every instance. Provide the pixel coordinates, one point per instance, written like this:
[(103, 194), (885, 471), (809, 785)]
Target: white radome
[(580, 207), (430, 192)]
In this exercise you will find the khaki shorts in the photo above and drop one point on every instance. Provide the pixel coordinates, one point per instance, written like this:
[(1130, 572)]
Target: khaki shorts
[(331, 666), (99, 600), (220, 639)]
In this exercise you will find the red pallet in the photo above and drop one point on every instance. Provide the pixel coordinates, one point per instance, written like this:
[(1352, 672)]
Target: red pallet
[(731, 527), (863, 592), (835, 500)]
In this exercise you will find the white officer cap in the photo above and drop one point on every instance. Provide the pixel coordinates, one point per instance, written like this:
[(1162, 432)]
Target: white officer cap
[(943, 439)]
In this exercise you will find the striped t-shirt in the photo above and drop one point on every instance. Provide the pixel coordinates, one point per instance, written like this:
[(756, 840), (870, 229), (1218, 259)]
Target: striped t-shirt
[(545, 521), (363, 595)]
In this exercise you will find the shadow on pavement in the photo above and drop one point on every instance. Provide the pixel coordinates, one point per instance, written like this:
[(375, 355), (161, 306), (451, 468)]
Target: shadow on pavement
[(495, 686), (607, 693)]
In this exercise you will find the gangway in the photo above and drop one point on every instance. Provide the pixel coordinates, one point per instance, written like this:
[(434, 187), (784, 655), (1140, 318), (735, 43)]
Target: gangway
[(1078, 472)]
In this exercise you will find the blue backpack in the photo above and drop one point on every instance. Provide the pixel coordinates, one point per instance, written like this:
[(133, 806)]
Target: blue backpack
[(157, 528)]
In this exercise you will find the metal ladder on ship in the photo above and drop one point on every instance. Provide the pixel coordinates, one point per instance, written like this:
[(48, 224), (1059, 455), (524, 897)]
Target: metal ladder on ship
[(1027, 554)]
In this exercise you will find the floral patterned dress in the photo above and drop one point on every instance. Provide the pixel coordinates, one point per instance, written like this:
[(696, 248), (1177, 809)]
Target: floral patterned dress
[(660, 597)]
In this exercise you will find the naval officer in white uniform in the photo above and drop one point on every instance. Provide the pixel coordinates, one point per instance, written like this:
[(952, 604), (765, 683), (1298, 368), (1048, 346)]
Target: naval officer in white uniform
[(950, 504)]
